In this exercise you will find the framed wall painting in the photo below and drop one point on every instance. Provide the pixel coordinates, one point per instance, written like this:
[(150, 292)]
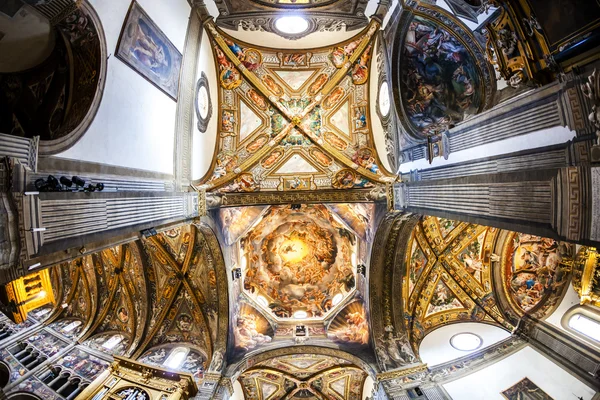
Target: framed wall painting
[(525, 389), (148, 51)]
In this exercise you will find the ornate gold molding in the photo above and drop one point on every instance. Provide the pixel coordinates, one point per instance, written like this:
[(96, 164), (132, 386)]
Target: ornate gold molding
[(384, 376), (586, 276), (303, 197)]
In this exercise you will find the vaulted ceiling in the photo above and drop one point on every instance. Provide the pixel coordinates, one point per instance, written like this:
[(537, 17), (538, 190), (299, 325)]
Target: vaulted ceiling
[(304, 376), (294, 120), (461, 272), (154, 294)]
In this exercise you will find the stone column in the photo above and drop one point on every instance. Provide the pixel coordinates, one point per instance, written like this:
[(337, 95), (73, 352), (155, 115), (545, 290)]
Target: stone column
[(552, 202), (38, 230), (571, 153), (23, 150), (578, 358), (60, 221), (184, 124)]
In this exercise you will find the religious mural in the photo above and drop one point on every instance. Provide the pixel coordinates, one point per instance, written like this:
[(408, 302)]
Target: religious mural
[(250, 328), (83, 364), (534, 269), (46, 343), (350, 326), (442, 299), (298, 260), (148, 51), (291, 105), (70, 328), (360, 218), (440, 80), (112, 343), (235, 221), (443, 258), (525, 389)]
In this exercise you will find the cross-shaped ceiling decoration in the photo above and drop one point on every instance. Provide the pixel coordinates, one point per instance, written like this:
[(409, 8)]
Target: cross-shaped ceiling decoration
[(294, 120), (304, 376)]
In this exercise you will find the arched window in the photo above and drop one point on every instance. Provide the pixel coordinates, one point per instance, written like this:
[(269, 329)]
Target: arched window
[(584, 322), (176, 358), (112, 342), (586, 326), (71, 326)]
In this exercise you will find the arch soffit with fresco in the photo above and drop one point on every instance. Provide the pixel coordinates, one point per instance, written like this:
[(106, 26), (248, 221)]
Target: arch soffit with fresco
[(462, 58), (386, 273), (233, 370)]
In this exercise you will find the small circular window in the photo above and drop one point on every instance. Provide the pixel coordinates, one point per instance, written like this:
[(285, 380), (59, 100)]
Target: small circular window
[(292, 25), (384, 99), (466, 341)]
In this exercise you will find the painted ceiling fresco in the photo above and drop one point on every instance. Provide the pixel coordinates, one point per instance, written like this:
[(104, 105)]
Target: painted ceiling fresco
[(463, 272), (144, 298), (449, 276), (305, 376), (297, 261), (294, 120)]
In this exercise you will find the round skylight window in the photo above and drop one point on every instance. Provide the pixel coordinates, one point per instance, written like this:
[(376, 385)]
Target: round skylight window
[(466, 341), (337, 299), (292, 25), (300, 314), (384, 99)]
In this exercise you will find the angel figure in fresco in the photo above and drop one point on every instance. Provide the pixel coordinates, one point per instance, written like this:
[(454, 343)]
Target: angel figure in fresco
[(228, 121), (257, 144), (334, 97), (235, 48), (338, 57), (295, 59), (472, 262), (321, 158), (350, 47), (360, 118), (272, 85), (360, 72), (246, 333), (222, 59), (257, 99), (364, 157), (159, 357), (318, 84)]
